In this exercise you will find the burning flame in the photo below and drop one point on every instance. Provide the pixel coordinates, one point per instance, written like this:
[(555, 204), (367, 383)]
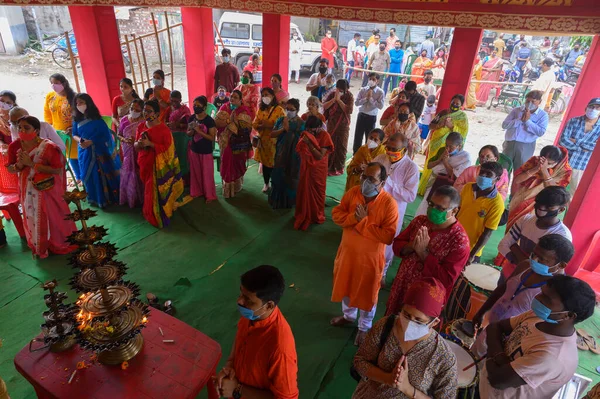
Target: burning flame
[(144, 320)]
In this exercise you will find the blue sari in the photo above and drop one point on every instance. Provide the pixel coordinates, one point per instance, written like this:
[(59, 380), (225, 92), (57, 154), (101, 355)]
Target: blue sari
[(286, 170), (99, 163)]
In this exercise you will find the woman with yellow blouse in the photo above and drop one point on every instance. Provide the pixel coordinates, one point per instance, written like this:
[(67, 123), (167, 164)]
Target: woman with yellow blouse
[(59, 114)]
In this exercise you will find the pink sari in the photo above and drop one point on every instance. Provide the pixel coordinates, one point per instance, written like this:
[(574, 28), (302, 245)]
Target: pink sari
[(483, 92)]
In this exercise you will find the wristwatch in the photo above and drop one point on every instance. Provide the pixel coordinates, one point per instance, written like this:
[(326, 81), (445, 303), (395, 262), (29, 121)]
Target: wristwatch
[(237, 393)]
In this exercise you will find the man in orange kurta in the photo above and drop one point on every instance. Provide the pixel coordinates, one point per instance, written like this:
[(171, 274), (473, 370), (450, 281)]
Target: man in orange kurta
[(369, 217), (328, 49)]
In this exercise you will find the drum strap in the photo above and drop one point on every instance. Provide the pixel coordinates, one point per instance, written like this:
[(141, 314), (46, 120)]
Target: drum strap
[(521, 288)]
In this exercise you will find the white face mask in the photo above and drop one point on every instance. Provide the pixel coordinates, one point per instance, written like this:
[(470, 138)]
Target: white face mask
[(371, 144), (5, 106), (157, 82), (372, 83), (82, 108), (412, 329), (291, 114), (267, 100), (135, 114), (592, 113)]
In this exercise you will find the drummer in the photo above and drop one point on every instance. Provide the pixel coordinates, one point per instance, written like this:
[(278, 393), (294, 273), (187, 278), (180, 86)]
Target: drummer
[(550, 257), (414, 361)]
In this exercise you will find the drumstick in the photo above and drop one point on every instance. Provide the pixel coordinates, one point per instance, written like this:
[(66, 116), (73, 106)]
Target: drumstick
[(475, 362)]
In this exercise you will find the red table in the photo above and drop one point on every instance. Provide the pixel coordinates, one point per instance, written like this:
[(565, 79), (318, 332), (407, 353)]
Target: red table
[(160, 370)]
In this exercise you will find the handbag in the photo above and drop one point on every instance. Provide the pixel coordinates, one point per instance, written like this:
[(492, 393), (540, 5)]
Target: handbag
[(42, 181), (387, 328)]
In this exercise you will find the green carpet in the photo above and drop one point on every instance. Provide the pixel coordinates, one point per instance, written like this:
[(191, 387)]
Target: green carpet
[(176, 263)]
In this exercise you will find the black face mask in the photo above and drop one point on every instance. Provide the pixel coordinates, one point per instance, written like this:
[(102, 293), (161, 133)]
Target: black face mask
[(322, 70), (198, 110), (402, 117), (549, 214)]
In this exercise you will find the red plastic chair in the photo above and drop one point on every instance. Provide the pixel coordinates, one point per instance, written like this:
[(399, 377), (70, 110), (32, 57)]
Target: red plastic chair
[(10, 204), (592, 277)]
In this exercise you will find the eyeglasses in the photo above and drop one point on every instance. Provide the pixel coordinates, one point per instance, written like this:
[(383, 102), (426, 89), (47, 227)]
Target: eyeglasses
[(439, 208)]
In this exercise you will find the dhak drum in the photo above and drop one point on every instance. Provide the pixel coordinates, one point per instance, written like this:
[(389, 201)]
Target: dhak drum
[(467, 379), (472, 288)]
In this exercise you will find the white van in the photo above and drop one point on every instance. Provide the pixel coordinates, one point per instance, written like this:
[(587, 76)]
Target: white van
[(242, 32)]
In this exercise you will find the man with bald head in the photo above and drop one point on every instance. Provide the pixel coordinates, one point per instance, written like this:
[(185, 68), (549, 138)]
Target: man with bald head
[(46, 130)]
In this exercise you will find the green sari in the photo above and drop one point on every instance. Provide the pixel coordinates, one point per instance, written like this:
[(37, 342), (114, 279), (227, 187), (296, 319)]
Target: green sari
[(437, 140)]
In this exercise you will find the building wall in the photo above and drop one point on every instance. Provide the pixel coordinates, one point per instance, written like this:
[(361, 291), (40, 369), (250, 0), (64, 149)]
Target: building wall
[(47, 20), (13, 31)]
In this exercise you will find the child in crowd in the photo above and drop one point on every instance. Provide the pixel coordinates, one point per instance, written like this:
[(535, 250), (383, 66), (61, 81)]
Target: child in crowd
[(203, 130), (177, 114), (428, 114)]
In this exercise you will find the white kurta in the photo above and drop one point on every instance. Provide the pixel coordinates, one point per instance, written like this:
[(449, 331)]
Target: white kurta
[(401, 184), (295, 45), (544, 83)]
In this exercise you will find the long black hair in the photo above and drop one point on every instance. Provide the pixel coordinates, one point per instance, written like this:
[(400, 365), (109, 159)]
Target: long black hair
[(63, 81), (91, 112), (129, 83)]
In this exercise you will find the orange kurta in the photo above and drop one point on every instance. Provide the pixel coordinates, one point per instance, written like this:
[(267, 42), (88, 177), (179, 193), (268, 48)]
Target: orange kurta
[(265, 355), (360, 259)]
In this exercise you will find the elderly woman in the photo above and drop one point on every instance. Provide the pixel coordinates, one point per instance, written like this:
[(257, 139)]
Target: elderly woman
[(99, 161), (447, 165), (132, 191), (268, 113), (42, 180), (403, 356), (313, 104), (121, 104), (402, 123), (446, 121), (551, 168), (159, 167), (364, 156), (338, 107), (487, 153), (286, 168), (250, 92), (234, 142)]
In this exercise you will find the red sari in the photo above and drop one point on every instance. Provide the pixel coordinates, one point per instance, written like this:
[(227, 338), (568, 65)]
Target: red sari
[(448, 254), (9, 183), (310, 197)]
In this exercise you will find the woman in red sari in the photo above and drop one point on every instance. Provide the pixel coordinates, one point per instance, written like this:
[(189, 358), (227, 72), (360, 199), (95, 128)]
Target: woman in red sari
[(314, 147), (8, 181), (250, 92), (159, 167), (122, 103), (42, 182)]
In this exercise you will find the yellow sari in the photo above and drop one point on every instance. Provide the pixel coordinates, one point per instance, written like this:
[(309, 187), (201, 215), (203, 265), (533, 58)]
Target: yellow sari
[(437, 139), (363, 155), (471, 102)]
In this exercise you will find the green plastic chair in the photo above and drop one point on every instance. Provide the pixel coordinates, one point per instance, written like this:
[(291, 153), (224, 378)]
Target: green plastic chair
[(409, 63)]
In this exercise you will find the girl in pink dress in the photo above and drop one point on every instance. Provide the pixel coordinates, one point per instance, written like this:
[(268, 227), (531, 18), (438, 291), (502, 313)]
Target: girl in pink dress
[(202, 129)]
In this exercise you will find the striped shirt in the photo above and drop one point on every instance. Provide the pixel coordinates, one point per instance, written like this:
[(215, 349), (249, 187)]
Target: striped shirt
[(581, 150)]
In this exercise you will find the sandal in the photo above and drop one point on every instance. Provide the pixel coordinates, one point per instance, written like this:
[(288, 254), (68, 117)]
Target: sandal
[(589, 341), (581, 344)]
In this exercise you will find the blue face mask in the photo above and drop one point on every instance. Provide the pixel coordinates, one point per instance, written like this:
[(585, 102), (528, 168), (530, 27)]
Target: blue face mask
[(232, 106), (539, 268), (368, 189), (453, 152), (543, 312), (249, 313), (484, 182)]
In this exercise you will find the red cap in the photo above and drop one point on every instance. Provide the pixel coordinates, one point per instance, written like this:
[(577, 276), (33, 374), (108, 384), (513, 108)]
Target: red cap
[(426, 295)]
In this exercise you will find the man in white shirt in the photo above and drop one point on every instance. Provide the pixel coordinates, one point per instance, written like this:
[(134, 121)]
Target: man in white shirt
[(295, 56), (352, 44), (370, 100), (545, 81), (427, 88), (46, 130)]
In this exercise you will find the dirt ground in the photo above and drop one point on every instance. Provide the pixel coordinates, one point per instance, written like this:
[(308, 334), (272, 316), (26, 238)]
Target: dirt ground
[(28, 76)]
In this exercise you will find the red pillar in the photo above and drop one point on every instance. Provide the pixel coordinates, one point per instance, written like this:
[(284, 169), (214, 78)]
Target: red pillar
[(582, 217), (99, 47), (198, 37), (276, 48), (464, 48)]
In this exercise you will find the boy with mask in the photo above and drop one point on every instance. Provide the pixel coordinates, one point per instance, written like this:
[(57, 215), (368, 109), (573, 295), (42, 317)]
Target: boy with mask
[(263, 360), (513, 297), (435, 246), (226, 74), (518, 244), (427, 88), (368, 216), (221, 97), (317, 79), (481, 208), (534, 354), (428, 114)]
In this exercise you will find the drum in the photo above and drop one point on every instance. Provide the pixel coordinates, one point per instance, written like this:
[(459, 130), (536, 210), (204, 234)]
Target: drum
[(462, 330), (472, 288), (467, 379)]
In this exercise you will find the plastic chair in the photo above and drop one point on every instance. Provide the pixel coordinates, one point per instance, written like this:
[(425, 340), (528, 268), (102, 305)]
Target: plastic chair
[(409, 63), (505, 161)]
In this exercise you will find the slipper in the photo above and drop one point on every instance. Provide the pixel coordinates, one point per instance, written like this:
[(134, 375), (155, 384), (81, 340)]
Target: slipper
[(589, 340), (581, 344)]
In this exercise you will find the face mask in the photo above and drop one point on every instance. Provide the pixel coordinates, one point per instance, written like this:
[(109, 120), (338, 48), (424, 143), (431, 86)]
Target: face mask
[(135, 114), (267, 100), (427, 79), (368, 189), (412, 329), (322, 70), (543, 312), (453, 152), (402, 117), (221, 94), (454, 108), (540, 268), (295, 37), (198, 110), (381, 48), (150, 118), (232, 106), (292, 114), (592, 113), (372, 144), (57, 87), (126, 92), (436, 216), (328, 35), (245, 80), (548, 214), (249, 313), (484, 182), (27, 136), (226, 59), (372, 83), (5, 106), (531, 106), (82, 108), (394, 156), (157, 82)]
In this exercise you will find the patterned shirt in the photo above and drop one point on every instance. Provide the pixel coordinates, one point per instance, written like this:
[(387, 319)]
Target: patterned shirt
[(581, 150), (431, 366)]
